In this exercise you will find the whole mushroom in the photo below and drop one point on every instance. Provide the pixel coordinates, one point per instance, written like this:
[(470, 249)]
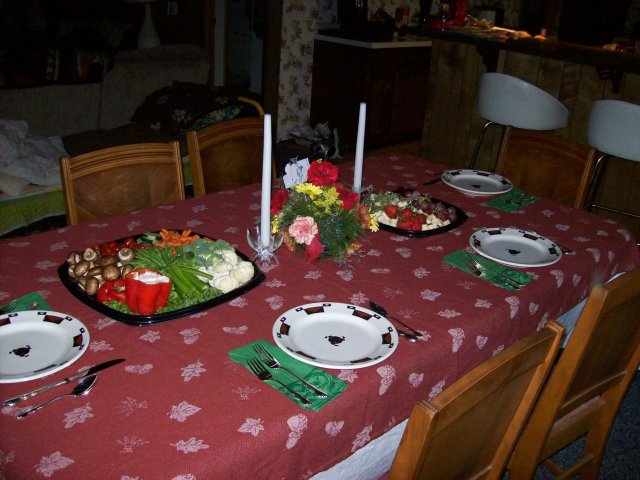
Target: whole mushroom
[(90, 255), (91, 285), (81, 268), (110, 272), (73, 258)]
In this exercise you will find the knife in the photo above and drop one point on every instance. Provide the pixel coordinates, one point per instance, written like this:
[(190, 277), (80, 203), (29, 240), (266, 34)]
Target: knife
[(10, 402)]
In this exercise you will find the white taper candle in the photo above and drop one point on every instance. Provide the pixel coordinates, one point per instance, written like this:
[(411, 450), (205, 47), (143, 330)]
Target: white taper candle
[(265, 210), (357, 171)]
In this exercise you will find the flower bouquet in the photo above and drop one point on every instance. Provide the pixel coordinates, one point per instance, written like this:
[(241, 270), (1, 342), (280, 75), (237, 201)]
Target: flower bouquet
[(320, 216)]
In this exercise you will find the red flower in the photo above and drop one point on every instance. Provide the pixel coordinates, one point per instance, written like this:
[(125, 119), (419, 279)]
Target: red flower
[(280, 198), (322, 174), (348, 197), (314, 249)]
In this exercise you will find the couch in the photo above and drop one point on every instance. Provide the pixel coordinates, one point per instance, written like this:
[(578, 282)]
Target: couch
[(149, 95), (67, 109)]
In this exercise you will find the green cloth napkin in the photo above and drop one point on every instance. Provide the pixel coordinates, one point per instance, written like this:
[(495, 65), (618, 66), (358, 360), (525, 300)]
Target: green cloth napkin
[(326, 382), (26, 301), (493, 273), (512, 201)]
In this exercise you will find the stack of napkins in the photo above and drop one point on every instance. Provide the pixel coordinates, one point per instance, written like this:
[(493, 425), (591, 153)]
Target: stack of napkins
[(326, 382)]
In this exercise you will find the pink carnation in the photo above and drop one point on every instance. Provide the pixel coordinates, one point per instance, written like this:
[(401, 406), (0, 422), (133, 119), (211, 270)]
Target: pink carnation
[(303, 229)]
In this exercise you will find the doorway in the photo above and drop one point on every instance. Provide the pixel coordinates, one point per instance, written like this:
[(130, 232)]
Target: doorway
[(247, 48), (239, 43)]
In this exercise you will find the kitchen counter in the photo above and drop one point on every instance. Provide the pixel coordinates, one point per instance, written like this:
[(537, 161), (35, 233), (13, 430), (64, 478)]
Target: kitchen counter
[(370, 41), (552, 49)]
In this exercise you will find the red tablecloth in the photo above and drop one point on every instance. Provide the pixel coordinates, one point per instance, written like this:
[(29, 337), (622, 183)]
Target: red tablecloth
[(179, 408)]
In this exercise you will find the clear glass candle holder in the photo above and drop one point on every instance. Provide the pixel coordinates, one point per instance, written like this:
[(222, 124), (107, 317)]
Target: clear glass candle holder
[(265, 256)]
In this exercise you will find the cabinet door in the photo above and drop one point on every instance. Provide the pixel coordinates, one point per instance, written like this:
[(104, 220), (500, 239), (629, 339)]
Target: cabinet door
[(397, 90), (408, 104), (338, 88), (379, 93)]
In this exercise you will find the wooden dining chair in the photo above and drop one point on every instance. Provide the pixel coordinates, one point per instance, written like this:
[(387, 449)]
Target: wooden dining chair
[(121, 179), (587, 385), (547, 165), (468, 431), (226, 155)]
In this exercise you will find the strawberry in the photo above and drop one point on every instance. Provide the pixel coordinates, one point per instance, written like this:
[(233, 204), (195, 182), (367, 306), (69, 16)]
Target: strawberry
[(405, 224), (422, 218), (391, 211), (416, 224), (406, 213)]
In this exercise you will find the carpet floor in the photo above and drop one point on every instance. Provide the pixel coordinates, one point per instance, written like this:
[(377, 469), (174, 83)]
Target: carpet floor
[(621, 460)]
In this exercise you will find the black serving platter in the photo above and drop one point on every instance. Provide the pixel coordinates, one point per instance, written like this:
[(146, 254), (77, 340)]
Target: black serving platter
[(141, 320), (461, 217)]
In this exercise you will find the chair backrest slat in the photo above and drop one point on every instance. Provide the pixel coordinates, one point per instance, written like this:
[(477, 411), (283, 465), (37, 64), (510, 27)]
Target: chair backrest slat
[(468, 431), (547, 165), (587, 386), (121, 179), (226, 155)]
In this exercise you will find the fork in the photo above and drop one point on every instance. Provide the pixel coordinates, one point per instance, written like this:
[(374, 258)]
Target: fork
[(271, 362), (259, 371), (8, 307), (480, 270)]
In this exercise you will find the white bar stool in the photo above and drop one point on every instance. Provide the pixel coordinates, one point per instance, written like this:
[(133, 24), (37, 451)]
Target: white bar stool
[(507, 100), (613, 130)]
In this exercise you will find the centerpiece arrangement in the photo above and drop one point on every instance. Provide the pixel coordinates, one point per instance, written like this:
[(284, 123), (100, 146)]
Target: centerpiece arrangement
[(320, 217)]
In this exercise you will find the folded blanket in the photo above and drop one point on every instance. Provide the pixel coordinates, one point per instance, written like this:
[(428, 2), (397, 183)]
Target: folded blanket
[(29, 157)]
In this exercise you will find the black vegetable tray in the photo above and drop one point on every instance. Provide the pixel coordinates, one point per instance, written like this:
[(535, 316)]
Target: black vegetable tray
[(142, 320), (461, 217)]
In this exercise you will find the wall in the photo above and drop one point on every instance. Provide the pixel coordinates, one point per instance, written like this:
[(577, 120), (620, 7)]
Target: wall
[(300, 19)]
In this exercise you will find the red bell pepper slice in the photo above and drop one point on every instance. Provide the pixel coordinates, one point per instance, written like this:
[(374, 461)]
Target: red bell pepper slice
[(112, 291), (147, 290)]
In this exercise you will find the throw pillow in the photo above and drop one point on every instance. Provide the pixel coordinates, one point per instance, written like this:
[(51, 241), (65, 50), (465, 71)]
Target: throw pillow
[(217, 116), (175, 108)]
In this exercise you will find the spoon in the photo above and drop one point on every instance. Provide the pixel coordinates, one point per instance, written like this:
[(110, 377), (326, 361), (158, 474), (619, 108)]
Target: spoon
[(381, 310), (82, 388)]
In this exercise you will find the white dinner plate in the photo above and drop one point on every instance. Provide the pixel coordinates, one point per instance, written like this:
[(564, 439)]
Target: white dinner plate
[(477, 182), (38, 343), (514, 247), (335, 335)]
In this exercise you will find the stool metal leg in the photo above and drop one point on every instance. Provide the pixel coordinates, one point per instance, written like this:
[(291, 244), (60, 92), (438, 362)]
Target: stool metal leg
[(593, 187), (593, 184), (476, 150)]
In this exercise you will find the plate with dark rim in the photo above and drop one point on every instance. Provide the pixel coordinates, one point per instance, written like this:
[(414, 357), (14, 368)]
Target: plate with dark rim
[(461, 217), (141, 320), (477, 182), (37, 343), (335, 335), (515, 247)]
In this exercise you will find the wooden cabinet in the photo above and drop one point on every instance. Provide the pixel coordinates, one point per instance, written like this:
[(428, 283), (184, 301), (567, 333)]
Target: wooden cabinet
[(391, 81)]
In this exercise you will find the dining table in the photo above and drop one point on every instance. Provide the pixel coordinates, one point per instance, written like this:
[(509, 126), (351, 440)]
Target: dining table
[(180, 406)]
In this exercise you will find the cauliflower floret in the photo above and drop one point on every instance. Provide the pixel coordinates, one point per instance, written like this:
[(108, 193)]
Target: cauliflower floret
[(225, 283), (243, 272), (222, 268), (230, 256)]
